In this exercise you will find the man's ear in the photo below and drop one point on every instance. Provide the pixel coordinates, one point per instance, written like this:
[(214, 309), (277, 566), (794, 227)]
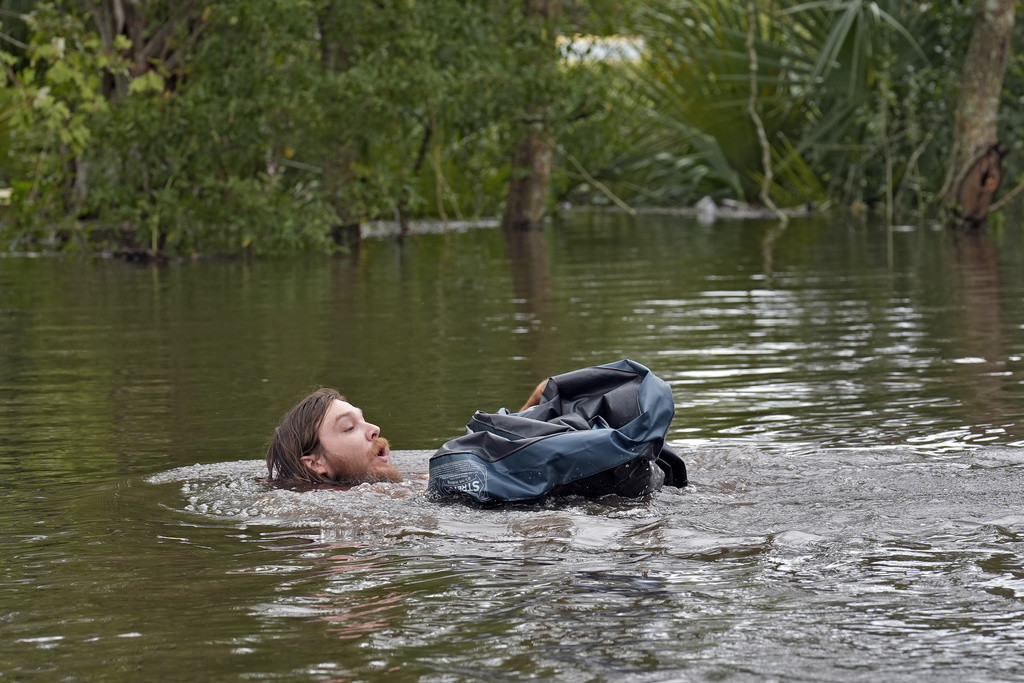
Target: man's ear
[(316, 464)]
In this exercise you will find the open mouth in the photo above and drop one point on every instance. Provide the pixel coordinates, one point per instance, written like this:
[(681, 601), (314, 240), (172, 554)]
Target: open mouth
[(383, 451)]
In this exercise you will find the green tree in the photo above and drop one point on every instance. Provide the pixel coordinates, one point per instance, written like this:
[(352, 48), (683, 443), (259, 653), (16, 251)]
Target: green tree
[(54, 83), (267, 125), (405, 101), (198, 160)]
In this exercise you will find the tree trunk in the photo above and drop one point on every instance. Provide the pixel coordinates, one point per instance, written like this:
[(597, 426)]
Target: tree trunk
[(527, 198), (974, 171), (339, 157), (528, 188)]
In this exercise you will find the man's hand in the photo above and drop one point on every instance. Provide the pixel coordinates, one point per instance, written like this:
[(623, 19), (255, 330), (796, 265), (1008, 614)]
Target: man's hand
[(535, 396)]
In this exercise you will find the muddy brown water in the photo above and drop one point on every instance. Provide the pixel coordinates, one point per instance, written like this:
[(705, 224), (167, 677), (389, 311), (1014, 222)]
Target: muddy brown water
[(852, 415)]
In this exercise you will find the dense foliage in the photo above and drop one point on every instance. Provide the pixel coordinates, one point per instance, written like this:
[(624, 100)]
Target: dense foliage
[(857, 97), (271, 125)]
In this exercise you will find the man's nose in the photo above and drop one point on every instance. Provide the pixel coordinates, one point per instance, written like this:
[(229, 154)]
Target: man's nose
[(373, 431)]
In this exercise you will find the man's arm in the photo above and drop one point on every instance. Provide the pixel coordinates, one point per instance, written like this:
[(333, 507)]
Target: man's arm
[(535, 396)]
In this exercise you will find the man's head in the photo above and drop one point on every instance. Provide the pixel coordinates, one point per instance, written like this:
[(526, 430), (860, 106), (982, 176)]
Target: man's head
[(325, 440)]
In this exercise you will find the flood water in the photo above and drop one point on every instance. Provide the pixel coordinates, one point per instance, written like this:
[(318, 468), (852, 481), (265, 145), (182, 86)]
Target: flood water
[(850, 404)]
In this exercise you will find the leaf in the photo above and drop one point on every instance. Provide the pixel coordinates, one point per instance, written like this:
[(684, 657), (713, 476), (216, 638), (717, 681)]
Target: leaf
[(148, 83)]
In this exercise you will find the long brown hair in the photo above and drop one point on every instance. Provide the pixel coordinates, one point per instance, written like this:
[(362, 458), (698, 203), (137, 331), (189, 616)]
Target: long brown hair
[(296, 437)]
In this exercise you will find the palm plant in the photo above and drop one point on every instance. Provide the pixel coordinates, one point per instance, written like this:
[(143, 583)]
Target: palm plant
[(695, 75), (881, 100), (850, 93)]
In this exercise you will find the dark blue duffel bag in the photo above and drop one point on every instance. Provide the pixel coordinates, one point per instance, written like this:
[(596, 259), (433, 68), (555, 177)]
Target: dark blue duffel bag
[(596, 431)]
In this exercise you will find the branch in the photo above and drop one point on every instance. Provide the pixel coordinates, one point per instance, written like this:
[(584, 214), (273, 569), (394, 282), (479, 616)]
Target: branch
[(762, 137), (596, 183), (911, 163), (13, 41), (1006, 198), (158, 38)]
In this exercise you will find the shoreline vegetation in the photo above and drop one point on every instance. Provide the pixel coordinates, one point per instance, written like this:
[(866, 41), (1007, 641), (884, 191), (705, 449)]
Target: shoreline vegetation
[(157, 130), (705, 212), (100, 243)]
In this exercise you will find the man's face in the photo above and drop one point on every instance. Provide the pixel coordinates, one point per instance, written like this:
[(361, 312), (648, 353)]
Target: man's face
[(352, 448)]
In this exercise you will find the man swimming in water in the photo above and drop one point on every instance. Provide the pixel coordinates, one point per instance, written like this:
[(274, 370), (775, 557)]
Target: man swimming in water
[(325, 440)]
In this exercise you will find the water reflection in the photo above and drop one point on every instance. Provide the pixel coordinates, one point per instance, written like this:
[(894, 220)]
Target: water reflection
[(533, 297), (771, 235), (985, 342), (824, 342), (353, 606)]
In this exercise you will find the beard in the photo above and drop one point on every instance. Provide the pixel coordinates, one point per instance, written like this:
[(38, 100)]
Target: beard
[(370, 469)]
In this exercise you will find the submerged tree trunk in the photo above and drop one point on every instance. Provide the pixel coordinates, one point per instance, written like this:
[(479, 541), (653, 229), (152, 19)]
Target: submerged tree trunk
[(974, 171), (527, 198)]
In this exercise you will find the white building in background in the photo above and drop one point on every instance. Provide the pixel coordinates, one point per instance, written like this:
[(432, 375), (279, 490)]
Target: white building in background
[(579, 48)]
